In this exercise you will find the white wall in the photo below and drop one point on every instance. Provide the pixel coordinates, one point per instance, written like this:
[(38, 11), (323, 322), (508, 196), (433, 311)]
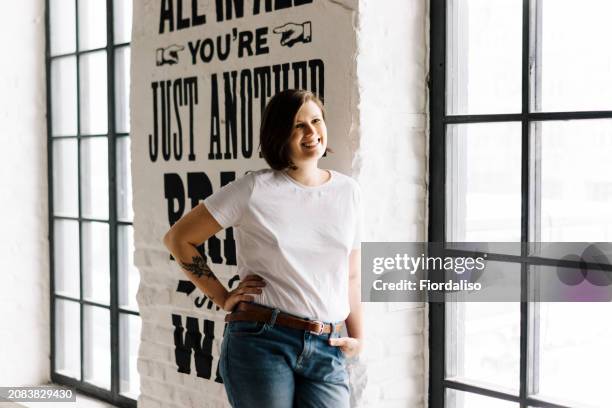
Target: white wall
[(24, 254), (391, 166)]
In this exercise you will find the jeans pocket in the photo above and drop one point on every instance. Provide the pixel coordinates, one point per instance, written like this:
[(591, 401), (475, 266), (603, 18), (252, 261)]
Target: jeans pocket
[(247, 328)]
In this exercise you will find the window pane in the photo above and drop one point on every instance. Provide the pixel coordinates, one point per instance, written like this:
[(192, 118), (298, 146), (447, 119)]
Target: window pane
[(122, 10), (483, 345), (122, 89), (129, 279), (483, 173), (62, 18), (63, 96), (93, 93), (576, 59), (574, 352), (92, 24), (94, 177), (575, 179), (124, 180), (96, 346), (96, 264), (66, 257), (65, 178), (460, 399), (67, 338), (483, 61), (129, 341)]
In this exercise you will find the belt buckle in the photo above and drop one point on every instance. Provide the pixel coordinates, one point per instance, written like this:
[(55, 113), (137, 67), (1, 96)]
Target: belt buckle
[(322, 327)]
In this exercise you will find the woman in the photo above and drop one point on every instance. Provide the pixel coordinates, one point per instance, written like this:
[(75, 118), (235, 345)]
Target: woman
[(298, 239)]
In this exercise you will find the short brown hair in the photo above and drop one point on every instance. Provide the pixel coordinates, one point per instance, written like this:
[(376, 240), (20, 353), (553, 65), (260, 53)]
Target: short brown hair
[(277, 125)]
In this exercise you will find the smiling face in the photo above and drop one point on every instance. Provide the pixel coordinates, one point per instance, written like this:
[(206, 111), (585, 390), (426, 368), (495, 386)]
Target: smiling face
[(308, 139)]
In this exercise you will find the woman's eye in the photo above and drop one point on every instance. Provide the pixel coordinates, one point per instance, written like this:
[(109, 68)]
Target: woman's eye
[(317, 120), (299, 126)]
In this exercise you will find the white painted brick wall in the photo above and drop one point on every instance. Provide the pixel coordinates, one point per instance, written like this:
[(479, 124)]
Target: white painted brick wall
[(24, 253), (391, 166)]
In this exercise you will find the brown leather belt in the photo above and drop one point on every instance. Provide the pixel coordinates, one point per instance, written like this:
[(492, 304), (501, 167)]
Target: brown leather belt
[(245, 311)]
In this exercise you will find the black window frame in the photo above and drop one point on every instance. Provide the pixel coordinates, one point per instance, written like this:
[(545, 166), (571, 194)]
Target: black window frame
[(439, 120), (113, 395)]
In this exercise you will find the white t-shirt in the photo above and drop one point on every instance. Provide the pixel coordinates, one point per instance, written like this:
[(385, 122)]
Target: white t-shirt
[(297, 238)]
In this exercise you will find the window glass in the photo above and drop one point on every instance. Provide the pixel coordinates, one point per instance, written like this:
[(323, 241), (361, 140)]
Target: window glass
[(484, 182), (483, 56), (581, 82)]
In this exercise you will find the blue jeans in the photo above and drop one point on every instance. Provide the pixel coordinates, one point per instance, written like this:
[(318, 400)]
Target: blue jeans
[(266, 365)]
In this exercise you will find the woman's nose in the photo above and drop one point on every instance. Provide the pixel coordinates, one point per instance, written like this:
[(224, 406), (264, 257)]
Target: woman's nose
[(309, 129)]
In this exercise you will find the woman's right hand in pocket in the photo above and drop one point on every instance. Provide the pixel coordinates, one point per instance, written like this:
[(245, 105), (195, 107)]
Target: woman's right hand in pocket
[(249, 286)]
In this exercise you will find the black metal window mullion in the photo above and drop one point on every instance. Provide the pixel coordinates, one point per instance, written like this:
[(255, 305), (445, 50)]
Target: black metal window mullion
[(128, 311), (78, 52), (437, 166), (527, 401), (531, 117), (50, 183), (78, 118), (525, 220), (86, 219), (114, 288), (84, 301)]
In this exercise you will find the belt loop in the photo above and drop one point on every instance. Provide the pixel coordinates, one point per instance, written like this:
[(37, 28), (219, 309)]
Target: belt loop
[(275, 313), (332, 327)]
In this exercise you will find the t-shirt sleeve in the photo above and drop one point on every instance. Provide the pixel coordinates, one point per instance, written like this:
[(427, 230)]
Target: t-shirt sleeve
[(358, 217), (228, 205)]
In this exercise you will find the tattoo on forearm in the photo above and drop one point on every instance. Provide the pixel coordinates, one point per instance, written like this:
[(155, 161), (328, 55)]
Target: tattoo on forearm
[(199, 268)]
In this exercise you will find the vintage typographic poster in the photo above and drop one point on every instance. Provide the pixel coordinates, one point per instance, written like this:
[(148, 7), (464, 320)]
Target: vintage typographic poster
[(202, 73)]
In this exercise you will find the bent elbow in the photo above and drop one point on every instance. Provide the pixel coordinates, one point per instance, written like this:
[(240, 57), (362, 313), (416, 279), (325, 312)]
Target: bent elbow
[(168, 239)]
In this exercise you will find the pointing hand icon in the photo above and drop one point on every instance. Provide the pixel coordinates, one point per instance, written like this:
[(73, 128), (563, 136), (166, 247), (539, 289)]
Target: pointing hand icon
[(292, 33), (168, 55)]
